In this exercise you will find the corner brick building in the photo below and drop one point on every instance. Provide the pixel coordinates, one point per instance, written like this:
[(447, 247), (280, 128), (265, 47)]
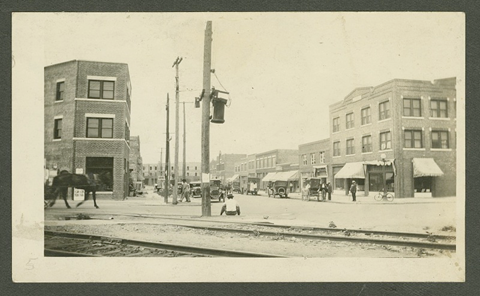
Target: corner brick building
[(87, 121), (412, 123)]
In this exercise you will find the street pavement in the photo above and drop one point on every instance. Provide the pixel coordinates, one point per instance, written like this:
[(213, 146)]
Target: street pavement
[(406, 214)]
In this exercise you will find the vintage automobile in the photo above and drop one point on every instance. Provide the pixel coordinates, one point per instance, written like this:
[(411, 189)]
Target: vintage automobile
[(196, 188), (279, 188), (252, 185), (216, 189)]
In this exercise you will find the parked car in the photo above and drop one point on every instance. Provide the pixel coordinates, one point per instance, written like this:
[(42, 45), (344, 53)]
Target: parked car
[(196, 188), (279, 188)]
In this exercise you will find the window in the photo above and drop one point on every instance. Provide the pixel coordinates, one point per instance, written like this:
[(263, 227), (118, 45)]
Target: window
[(412, 107), (312, 158), (322, 157), (304, 159), (195, 168), (155, 167), (188, 168), (384, 110), (57, 130), (274, 160), (336, 149), (195, 174), (99, 128), (101, 89), (60, 91), (336, 124), (350, 120), (366, 117), (151, 168), (188, 174), (440, 140), (366, 144), (438, 108), (413, 139), (385, 141), (102, 169), (350, 146)]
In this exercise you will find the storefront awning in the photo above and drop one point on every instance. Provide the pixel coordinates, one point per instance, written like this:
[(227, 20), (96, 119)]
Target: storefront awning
[(351, 170), (425, 167), (269, 177), (285, 176), (233, 179)]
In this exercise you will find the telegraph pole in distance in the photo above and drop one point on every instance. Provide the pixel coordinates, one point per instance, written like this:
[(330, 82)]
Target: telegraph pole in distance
[(207, 56), (184, 143), (167, 156), (177, 95)]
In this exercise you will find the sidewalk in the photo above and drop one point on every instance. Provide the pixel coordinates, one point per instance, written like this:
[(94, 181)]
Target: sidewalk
[(342, 198)]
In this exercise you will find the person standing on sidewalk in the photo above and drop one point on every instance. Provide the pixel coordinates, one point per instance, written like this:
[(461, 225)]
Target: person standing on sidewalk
[(353, 190), (323, 189), (329, 191)]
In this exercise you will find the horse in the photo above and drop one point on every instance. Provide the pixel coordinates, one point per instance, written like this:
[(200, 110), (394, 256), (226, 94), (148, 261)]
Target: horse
[(62, 181)]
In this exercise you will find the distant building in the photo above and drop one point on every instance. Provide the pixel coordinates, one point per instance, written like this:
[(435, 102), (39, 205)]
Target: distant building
[(87, 121), (410, 122), (273, 161), (136, 163), (151, 173), (244, 168), (223, 166), (315, 161)]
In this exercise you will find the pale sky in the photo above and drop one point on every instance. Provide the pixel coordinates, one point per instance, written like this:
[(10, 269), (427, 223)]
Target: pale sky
[(282, 70)]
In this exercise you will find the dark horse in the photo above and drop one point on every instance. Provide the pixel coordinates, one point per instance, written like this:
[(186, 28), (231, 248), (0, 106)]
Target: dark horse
[(65, 179)]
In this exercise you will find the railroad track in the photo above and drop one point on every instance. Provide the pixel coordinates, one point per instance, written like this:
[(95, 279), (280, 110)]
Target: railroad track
[(395, 239), (66, 244)]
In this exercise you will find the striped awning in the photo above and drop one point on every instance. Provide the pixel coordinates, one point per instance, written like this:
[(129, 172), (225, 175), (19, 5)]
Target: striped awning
[(351, 170), (233, 178), (425, 167), (269, 177), (286, 176)]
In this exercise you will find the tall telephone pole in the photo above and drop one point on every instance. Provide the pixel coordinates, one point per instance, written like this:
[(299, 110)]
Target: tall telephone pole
[(184, 144), (177, 95), (167, 156), (207, 56)]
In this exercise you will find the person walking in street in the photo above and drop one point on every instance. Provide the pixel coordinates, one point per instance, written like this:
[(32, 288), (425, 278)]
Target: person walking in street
[(185, 191), (329, 191), (353, 190), (323, 189), (230, 207)]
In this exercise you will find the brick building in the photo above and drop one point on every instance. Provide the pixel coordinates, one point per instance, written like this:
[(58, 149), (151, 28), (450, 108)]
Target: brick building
[(87, 121), (273, 161), (315, 160), (223, 166), (244, 168), (411, 123)]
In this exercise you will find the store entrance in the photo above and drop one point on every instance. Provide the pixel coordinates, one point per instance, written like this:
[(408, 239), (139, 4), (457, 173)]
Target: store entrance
[(376, 182)]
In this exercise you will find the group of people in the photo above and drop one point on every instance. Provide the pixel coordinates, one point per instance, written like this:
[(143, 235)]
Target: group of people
[(324, 190)]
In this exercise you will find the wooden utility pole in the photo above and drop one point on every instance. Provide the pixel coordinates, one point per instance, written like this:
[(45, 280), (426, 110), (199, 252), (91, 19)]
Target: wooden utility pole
[(177, 95), (167, 156), (207, 56), (184, 144)]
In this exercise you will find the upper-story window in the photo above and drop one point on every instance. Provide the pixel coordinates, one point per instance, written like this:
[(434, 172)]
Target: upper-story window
[(366, 144), (440, 140), (413, 139), (350, 120), (350, 147), (385, 140), (98, 89), (322, 157), (438, 108), (412, 107), (304, 159), (384, 110), (312, 158), (366, 116), (195, 168), (99, 127), (336, 149), (336, 124), (274, 160), (57, 130), (60, 91), (188, 168)]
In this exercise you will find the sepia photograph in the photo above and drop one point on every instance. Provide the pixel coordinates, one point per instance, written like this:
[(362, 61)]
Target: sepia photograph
[(238, 147)]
